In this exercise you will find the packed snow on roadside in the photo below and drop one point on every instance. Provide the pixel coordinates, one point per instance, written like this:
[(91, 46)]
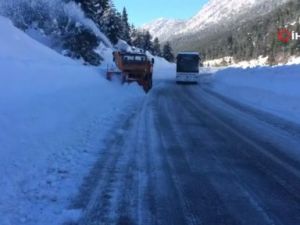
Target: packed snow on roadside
[(163, 70), (273, 89), (228, 60), (54, 117)]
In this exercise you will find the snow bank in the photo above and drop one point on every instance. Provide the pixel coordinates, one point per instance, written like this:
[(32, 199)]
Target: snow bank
[(16, 45), (54, 114), (163, 70), (273, 89), (293, 60), (260, 61), (228, 60)]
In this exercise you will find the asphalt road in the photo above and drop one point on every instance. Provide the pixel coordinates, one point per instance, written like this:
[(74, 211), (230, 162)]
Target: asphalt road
[(191, 156)]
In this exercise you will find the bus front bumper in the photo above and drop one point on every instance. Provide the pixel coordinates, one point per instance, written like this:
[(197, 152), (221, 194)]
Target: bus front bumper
[(187, 78)]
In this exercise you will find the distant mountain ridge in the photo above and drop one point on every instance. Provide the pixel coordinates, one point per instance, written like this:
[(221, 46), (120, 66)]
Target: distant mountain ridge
[(164, 28), (211, 14)]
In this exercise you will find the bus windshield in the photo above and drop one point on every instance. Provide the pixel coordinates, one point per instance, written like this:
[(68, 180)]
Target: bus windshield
[(188, 63)]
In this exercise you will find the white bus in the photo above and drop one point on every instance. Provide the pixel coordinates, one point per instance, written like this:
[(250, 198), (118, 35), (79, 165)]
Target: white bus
[(188, 67)]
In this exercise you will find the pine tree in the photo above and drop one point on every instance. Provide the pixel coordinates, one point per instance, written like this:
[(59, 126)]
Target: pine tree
[(81, 43), (271, 53), (105, 4), (168, 52), (111, 24), (133, 34), (156, 47), (94, 9), (147, 39), (137, 38), (142, 39), (125, 34)]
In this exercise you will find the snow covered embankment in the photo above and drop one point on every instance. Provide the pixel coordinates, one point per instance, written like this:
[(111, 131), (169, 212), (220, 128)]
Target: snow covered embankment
[(273, 89), (163, 70), (54, 114)]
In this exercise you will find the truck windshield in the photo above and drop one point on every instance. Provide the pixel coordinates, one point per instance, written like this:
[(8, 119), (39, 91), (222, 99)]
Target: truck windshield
[(188, 63), (134, 58)]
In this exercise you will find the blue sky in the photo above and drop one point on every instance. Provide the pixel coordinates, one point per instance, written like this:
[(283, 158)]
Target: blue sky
[(141, 12)]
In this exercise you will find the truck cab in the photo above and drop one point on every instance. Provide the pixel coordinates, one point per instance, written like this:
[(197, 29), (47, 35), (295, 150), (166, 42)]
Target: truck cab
[(187, 67)]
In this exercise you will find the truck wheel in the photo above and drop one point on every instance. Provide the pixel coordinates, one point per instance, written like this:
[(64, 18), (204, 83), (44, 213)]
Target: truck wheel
[(146, 86), (124, 78), (149, 84), (151, 81)]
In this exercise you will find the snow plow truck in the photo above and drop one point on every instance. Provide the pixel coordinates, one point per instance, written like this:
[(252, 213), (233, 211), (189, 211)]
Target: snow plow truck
[(134, 67)]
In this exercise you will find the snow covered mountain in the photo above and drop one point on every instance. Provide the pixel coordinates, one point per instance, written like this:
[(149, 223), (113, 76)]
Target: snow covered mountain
[(212, 13), (164, 28)]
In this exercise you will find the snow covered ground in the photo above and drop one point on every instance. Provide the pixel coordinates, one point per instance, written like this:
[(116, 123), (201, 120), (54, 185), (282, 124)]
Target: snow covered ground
[(260, 61), (54, 115), (273, 89)]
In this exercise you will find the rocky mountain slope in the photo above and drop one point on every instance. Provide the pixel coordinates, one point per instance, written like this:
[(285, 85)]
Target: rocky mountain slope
[(213, 13)]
